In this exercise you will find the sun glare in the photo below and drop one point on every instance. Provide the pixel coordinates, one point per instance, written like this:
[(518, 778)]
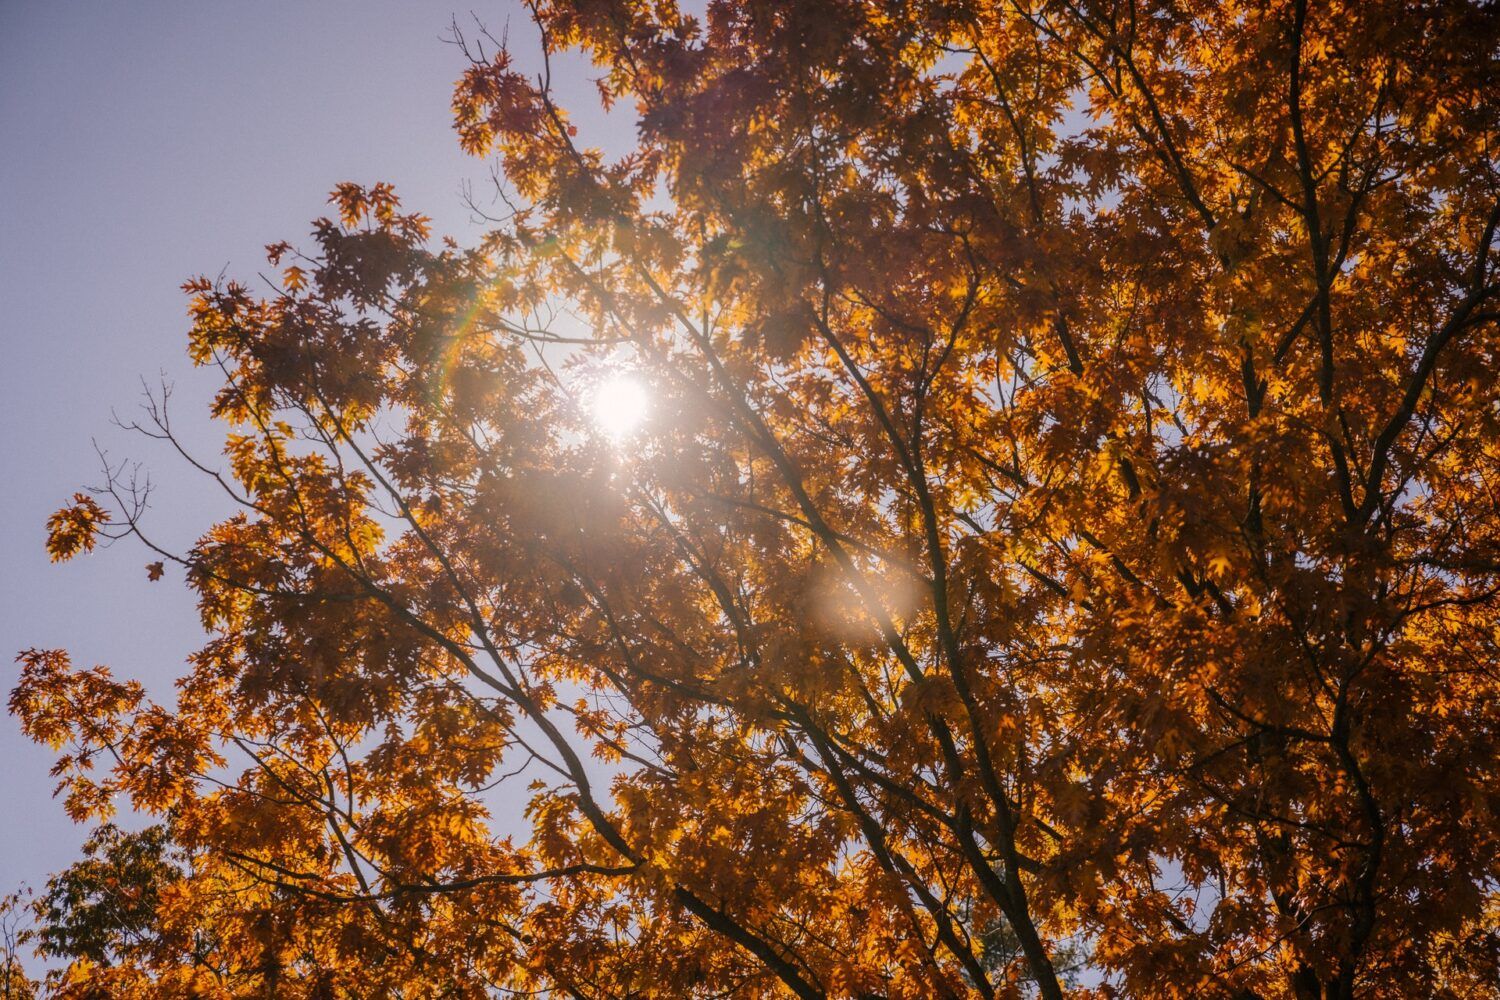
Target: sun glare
[(619, 406)]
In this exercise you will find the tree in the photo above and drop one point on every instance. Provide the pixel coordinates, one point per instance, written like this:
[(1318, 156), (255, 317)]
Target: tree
[(103, 908), (1067, 516), (15, 984)]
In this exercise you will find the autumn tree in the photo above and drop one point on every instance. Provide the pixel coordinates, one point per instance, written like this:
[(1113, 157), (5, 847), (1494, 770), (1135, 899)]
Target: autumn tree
[(1065, 524)]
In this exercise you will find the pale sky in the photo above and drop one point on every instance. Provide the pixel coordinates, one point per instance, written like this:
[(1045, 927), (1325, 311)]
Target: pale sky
[(141, 144)]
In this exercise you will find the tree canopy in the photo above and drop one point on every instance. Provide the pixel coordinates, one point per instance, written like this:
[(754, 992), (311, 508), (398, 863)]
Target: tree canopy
[(1060, 558)]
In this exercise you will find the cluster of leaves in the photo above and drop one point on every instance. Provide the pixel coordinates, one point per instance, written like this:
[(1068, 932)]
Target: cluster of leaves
[(1067, 523), (105, 905)]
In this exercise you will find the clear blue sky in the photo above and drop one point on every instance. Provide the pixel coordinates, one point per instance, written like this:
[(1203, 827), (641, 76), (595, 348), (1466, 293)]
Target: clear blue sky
[(141, 144)]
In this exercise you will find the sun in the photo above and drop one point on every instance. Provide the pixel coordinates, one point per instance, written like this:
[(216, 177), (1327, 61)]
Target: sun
[(619, 405)]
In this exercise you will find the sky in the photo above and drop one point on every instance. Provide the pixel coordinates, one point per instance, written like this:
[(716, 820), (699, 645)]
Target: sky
[(142, 144)]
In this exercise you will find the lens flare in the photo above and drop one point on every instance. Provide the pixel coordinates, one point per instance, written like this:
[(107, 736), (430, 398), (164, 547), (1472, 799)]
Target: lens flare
[(619, 405)]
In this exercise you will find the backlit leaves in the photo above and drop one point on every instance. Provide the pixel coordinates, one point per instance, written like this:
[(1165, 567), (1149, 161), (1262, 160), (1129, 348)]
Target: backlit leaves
[(1062, 557), (75, 528)]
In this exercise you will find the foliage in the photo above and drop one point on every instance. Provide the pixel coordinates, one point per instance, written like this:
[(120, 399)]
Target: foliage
[(1069, 505), (1000, 951), (104, 906), (15, 984)]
